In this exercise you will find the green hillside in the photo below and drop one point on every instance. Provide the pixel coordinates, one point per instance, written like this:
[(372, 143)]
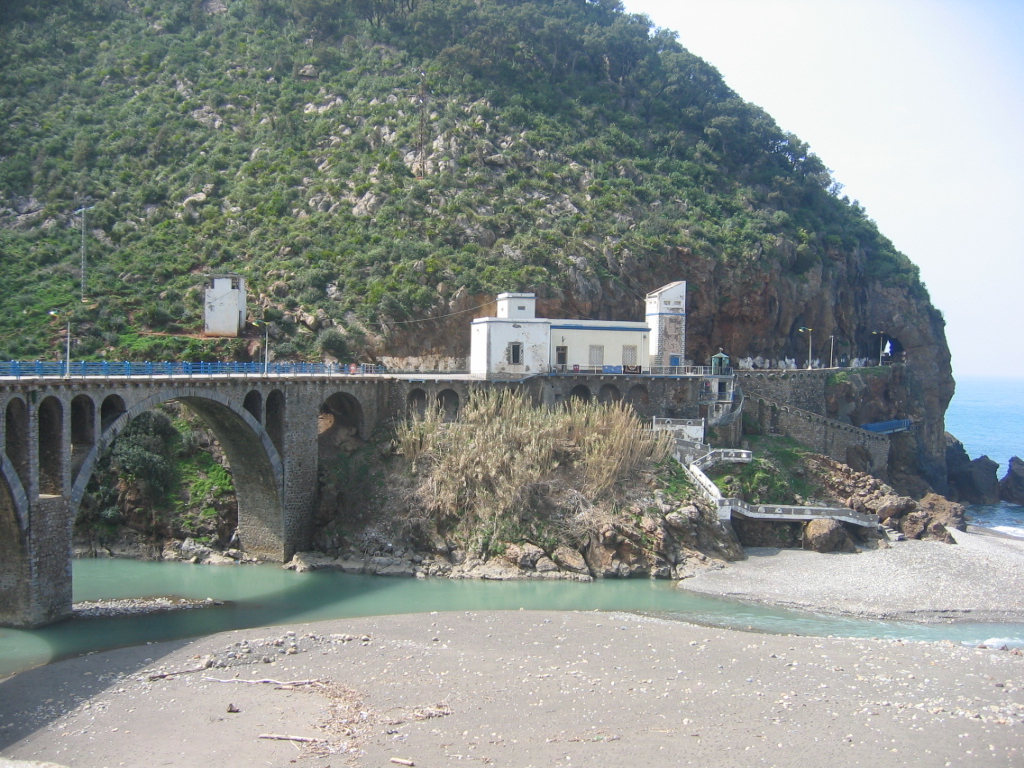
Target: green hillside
[(368, 158)]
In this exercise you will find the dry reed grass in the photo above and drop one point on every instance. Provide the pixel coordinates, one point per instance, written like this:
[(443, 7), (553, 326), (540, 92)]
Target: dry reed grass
[(483, 473)]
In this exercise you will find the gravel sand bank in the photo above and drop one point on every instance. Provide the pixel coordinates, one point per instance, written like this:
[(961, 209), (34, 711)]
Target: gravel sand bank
[(519, 689), (981, 577)]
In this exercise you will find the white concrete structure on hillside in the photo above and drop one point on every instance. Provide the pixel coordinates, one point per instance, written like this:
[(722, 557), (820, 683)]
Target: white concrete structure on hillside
[(224, 305), (518, 343)]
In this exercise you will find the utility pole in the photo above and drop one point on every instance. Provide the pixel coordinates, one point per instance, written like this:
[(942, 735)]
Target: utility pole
[(82, 211)]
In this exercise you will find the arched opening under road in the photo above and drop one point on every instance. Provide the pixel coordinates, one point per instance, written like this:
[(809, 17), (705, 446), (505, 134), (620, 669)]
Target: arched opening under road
[(416, 403), (580, 392), (340, 423), (16, 438), (637, 395), (111, 410), (253, 403), (275, 419), (608, 393), (51, 447), (448, 402), (83, 430)]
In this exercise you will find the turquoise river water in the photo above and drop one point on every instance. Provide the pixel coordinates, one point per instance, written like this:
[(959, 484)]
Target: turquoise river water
[(267, 595)]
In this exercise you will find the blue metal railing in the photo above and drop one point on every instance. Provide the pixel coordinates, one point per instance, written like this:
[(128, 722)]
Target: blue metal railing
[(888, 427), (82, 369)]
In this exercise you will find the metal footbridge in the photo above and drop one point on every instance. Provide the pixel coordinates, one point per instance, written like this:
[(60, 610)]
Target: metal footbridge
[(696, 457)]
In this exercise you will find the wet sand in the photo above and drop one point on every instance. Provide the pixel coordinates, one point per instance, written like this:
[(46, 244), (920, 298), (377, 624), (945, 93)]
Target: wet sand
[(519, 689)]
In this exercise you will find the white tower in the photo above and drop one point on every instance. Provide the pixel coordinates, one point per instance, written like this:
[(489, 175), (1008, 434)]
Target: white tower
[(666, 317), (224, 305)]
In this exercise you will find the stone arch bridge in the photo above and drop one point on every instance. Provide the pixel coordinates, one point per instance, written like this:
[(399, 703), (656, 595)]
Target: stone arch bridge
[(271, 428)]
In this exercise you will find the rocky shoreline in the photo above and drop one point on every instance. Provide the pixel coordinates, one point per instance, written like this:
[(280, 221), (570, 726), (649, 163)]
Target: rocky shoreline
[(138, 606)]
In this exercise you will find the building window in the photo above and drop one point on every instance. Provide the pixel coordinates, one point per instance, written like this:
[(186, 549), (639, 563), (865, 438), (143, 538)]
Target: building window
[(597, 354), (629, 354), (234, 284), (561, 355), (515, 353)]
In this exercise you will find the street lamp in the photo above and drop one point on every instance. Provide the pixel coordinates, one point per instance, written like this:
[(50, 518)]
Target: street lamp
[(266, 343), (881, 344), (82, 211), (831, 350), (67, 358), (804, 329)]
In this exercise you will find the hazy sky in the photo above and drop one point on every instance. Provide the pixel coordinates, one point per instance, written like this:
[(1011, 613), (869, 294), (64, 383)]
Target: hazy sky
[(918, 108)]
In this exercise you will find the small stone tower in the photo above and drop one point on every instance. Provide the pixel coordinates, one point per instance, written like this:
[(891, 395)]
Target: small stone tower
[(666, 317)]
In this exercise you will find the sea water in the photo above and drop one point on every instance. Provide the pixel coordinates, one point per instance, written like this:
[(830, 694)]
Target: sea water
[(987, 416)]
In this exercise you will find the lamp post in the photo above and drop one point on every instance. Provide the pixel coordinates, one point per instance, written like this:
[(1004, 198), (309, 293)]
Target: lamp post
[(266, 343), (804, 329), (832, 350), (881, 344), (67, 353), (82, 211)]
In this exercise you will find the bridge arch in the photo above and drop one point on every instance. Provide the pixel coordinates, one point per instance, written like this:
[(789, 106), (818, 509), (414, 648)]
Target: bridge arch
[(256, 465)]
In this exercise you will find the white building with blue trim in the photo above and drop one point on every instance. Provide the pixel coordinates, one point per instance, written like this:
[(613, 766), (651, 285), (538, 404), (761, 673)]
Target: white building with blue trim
[(518, 343)]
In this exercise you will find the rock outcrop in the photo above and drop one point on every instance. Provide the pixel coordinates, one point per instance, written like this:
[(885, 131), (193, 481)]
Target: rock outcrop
[(972, 482), (1011, 487)]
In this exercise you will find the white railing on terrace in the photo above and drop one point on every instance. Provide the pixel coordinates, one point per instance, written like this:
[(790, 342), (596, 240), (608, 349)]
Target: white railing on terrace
[(626, 370)]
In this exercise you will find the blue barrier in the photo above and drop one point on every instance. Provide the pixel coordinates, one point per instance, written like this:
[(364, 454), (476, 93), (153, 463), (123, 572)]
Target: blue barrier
[(126, 369)]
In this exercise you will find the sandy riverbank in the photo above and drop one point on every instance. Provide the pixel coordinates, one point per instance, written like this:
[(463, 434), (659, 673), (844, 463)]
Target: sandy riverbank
[(980, 578), (520, 689), (546, 689)]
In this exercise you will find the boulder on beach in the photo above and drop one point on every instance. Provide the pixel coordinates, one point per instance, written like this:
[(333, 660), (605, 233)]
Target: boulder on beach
[(827, 535)]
